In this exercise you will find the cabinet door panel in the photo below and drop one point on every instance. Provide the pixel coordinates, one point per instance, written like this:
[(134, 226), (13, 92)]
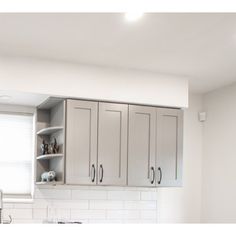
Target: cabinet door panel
[(81, 142), (169, 146), (112, 144), (141, 150)]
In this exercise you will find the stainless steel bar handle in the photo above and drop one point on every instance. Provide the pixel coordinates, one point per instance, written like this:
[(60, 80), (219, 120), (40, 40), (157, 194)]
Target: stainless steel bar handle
[(153, 175), (101, 173), (93, 173), (159, 169)]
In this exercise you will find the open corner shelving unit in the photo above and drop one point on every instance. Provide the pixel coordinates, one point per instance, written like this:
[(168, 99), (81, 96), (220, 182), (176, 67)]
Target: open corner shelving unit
[(50, 124)]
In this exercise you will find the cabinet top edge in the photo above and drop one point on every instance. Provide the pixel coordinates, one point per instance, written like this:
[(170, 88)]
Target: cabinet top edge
[(123, 103), (50, 102)]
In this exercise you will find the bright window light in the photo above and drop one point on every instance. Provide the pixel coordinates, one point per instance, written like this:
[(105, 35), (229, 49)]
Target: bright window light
[(16, 153), (133, 16)]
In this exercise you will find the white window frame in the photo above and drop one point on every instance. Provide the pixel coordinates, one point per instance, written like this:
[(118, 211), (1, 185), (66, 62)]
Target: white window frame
[(30, 111)]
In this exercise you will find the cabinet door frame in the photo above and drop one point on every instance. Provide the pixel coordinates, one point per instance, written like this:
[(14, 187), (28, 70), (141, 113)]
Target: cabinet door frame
[(92, 168), (160, 175), (133, 175), (106, 109)]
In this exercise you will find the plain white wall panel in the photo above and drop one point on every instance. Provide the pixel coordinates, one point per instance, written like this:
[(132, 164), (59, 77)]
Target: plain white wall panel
[(219, 152), (93, 82)]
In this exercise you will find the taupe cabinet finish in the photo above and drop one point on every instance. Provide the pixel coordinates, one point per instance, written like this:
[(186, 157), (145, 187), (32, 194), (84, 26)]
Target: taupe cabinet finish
[(155, 146), (120, 144), (96, 143), (169, 147), (112, 144), (141, 150), (81, 142)]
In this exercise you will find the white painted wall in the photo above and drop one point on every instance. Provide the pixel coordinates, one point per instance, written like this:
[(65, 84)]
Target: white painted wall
[(92, 82), (219, 159), (183, 205)]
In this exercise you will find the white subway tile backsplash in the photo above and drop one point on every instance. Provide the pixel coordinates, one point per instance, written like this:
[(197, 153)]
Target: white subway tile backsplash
[(40, 214), (140, 205), (123, 214), (23, 205), (131, 205), (41, 203), (146, 195), (148, 221), (105, 204), (131, 214), (115, 214), (71, 204), (53, 193), (27, 221), (88, 214), (148, 214), (89, 194), (123, 195), (8, 205), (18, 213), (87, 204), (62, 214)]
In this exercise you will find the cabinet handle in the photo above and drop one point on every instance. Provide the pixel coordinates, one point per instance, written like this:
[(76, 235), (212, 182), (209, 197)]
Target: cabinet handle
[(93, 173), (159, 169), (101, 173), (153, 175)]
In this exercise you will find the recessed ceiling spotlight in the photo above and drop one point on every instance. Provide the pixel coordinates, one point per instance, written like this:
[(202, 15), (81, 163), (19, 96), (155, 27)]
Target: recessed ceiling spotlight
[(5, 97), (133, 16)]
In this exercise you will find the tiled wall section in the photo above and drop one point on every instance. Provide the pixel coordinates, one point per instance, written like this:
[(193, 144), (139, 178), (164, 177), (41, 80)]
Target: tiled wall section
[(87, 204)]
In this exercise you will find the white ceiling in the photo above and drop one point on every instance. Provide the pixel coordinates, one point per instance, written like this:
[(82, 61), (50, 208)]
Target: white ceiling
[(200, 46)]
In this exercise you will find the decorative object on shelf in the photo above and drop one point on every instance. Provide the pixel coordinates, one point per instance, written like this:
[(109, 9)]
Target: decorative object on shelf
[(54, 147), (50, 148), (48, 176), (44, 148)]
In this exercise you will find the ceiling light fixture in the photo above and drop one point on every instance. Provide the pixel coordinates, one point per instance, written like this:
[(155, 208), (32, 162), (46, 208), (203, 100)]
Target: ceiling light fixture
[(133, 16)]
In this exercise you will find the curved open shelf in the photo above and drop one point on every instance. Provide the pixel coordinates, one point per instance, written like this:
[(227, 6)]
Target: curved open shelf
[(49, 130), (49, 183), (49, 156)]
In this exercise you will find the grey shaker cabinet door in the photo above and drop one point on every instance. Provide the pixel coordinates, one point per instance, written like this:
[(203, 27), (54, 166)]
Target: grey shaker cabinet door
[(141, 146), (81, 142), (169, 147), (112, 144)]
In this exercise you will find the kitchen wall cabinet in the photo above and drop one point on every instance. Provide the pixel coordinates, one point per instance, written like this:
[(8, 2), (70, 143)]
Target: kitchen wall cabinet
[(96, 143), (141, 154), (169, 147), (112, 144), (81, 142), (155, 146)]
